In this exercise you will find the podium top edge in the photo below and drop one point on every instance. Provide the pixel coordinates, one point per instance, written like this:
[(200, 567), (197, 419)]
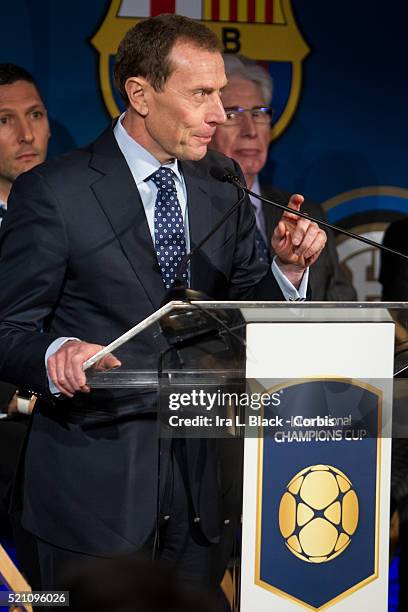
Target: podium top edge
[(300, 304)]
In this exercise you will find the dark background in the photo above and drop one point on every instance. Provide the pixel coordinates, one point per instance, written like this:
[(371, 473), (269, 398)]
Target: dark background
[(349, 130)]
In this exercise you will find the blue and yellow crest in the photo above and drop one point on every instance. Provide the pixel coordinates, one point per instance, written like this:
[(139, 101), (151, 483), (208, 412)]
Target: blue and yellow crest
[(264, 30), (366, 211), (318, 493)]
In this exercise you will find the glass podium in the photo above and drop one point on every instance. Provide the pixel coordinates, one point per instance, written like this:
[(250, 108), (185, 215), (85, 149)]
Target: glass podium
[(302, 396)]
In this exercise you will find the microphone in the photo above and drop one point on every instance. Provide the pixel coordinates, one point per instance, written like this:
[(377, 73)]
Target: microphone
[(185, 327), (179, 291), (226, 176), (221, 174)]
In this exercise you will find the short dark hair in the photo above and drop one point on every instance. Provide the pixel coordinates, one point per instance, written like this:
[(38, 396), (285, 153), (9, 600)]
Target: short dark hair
[(145, 49), (10, 73)]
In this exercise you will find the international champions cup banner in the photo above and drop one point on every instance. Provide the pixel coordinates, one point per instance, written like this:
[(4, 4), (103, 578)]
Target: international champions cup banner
[(318, 492)]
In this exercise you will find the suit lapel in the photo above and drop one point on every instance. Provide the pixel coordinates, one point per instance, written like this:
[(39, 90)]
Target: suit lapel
[(200, 216), (118, 196)]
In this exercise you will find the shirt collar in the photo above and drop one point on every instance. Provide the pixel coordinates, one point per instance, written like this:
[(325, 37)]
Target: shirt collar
[(141, 163), (256, 188)]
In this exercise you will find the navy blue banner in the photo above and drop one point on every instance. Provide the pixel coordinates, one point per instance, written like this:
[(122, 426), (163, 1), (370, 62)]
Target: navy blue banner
[(317, 535)]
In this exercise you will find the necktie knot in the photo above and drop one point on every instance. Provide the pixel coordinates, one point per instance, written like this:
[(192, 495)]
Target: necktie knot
[(163, 178)]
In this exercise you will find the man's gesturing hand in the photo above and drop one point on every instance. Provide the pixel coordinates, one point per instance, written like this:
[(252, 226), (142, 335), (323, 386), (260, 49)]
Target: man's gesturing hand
[(296, 241), (65, 366)]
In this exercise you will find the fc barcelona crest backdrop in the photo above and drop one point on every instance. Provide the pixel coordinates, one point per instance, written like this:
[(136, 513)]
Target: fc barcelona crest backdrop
[(263, 30), (340, 94)]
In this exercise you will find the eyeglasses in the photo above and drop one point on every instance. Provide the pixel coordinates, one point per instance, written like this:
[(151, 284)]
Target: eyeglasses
[(260, 114)]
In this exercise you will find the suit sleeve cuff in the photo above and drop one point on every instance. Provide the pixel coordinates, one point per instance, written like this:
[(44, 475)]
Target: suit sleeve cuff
[(290, 293), (53, 348)]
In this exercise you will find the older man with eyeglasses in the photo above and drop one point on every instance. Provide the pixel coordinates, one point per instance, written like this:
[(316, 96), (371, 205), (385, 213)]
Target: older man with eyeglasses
[(245, 137)]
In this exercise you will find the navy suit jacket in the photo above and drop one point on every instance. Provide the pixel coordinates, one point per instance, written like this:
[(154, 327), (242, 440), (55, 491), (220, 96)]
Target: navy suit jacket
[(85, 266), (394, 270)]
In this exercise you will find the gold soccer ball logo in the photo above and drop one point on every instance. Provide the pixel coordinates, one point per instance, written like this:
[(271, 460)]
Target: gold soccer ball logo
[(318, 513)]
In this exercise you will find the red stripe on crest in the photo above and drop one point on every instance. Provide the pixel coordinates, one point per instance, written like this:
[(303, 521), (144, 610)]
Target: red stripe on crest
[(269, 11), (233, 10), (162, 6), (215, 10), (251, 11)]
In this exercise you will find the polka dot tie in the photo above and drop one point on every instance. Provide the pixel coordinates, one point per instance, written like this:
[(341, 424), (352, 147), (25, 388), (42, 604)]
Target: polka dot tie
[(169, 239)]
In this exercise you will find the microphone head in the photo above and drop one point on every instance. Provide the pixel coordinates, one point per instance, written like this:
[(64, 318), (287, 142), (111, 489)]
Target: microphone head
[(219, 174), (224, 174)]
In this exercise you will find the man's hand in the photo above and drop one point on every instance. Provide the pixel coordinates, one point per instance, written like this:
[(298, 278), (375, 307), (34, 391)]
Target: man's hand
[(297, 242), (65, 366)]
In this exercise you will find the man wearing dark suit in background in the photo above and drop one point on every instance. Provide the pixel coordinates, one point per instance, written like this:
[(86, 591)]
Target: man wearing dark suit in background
[(245, 137), (100, 259), (394, 270), (24, 134), (394, 279)]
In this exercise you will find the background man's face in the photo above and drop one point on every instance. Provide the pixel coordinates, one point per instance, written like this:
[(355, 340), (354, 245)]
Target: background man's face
[(24, 129), (246, 142), (182, 118)]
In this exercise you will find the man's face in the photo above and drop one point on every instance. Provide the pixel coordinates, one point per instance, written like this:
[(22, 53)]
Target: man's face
[(247, 142), (24, 130), (181, 119)]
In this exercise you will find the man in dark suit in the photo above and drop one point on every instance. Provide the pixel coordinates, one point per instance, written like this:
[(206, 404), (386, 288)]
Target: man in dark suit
[(245, 137), (24, 134), (108, 226), (394, 279), (394, 270)]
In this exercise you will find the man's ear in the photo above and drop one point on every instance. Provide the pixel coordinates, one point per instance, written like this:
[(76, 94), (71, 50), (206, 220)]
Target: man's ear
[(136, 90)]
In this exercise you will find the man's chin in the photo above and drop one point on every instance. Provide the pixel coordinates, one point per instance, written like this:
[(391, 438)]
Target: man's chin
[(193, 153), (248, 166), (28, 164)]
